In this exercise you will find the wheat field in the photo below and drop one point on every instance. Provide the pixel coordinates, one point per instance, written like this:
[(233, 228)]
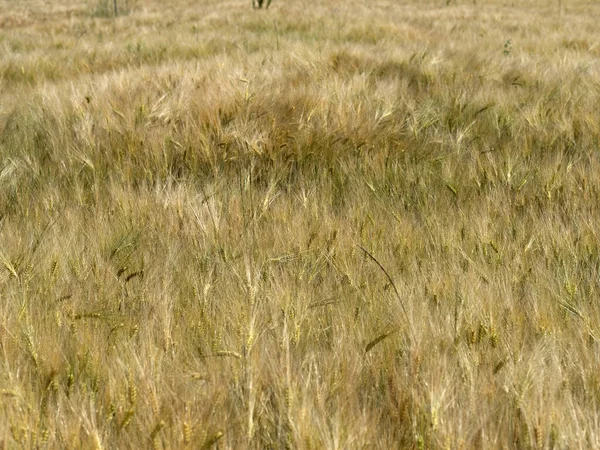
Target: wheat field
[(325, 225)]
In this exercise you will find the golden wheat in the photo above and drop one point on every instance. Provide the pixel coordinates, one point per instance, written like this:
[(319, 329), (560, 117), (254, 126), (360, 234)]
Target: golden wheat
[(326, 225)]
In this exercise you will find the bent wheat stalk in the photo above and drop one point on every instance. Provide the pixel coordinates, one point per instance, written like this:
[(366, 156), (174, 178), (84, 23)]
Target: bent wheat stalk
[(408, 323)]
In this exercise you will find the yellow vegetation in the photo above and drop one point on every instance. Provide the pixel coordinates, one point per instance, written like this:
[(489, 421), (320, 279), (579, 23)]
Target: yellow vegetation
[(329, 225)]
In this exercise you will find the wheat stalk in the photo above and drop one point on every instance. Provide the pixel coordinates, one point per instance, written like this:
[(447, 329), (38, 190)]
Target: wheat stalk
[(408, 322)]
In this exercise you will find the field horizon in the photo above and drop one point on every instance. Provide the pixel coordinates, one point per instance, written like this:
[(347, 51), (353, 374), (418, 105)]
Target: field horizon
[(338, 225)]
